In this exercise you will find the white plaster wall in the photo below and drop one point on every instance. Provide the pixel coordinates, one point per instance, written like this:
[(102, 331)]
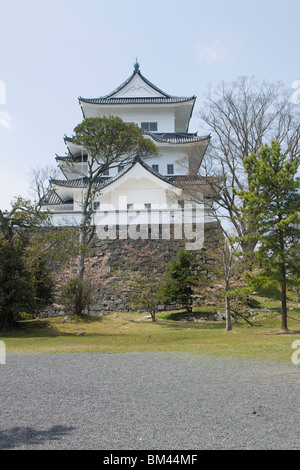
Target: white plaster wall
[(165, 117), (134, 191), (168, 155)]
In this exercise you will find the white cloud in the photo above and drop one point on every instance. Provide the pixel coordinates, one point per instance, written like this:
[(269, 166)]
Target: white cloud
[(211, 53), (5, 119)]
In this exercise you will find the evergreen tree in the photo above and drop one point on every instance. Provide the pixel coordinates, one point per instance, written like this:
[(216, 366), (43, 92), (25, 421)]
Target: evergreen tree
[(179, 280), (274, 203), (77, 295), (26, 248), (42, 283), (294, 271), (16, 288)]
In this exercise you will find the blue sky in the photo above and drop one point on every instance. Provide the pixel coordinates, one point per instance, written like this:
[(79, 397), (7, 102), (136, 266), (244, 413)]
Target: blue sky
[(54, 51)]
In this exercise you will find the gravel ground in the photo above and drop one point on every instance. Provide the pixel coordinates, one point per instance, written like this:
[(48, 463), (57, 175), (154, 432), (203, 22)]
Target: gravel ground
[(149, 401)]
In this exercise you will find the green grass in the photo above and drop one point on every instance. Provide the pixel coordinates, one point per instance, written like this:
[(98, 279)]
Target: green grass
[(135, 332)]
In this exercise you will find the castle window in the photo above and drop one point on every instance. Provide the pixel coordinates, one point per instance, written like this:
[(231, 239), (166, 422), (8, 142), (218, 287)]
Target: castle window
[(149, 126), (155, 167), (81, 158), (96, 205), (120, 168), (105, 173), (170, 169)]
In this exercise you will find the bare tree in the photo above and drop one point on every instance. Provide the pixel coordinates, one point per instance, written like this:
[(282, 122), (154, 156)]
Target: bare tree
[(40, 183), (243, 116), (22, 214)]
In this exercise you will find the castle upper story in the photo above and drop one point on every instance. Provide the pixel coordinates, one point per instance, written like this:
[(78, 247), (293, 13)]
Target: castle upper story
[(139, 101)]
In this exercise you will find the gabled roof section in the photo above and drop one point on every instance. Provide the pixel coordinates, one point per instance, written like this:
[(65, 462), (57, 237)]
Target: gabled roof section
[(137, 75), (139, 90), (77, 183), (130, 166), (103, 182)]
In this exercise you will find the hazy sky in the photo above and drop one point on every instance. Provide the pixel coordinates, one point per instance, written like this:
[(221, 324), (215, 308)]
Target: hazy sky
[(54, 51)]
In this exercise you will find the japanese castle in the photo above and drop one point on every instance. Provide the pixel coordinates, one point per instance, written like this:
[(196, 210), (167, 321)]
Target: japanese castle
[(142, 186)]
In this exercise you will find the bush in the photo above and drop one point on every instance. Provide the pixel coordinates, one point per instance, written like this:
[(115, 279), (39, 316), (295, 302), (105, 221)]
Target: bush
[(77, 296), (179, 280)]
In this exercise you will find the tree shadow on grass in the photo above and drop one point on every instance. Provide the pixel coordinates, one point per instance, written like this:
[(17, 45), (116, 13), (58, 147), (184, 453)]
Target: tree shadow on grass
[(46, 328), (190, 324), (29, 437)]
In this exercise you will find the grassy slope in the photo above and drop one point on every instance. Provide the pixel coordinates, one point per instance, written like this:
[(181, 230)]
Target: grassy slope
[(132, 332)]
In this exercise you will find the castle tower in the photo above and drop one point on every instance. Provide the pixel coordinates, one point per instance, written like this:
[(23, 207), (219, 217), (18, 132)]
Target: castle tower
[(143, 193)]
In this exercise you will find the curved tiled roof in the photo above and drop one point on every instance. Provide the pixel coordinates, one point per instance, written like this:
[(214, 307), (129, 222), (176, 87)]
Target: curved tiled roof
[(109, 99), (71, 158), (167, 137), (176, 138), (78, 183), (102, 182), (138, 100), (51, 198)]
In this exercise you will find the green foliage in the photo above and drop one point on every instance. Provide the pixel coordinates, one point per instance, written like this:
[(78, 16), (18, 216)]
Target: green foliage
[(273, 203), (273, 200), (294, 270), (179, 280), (77, 295), (27, 247), (42, 283), (55, 245), (24, 215), (16, 289), (142, 288), (24, 286), (109, 140)]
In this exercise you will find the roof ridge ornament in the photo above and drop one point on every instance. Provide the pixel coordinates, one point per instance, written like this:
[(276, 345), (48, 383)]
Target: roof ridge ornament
[(136, 66)]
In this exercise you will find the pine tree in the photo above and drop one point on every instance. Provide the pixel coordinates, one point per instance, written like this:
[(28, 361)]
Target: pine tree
[(179, 280), (273, 201)]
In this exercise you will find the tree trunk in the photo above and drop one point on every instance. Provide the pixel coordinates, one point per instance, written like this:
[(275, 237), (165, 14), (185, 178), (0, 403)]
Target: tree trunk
[(80, 261), (7, 320), (227, 307), (83, 231), (283, 299), (153, 315), (227, 313), (7, 233)]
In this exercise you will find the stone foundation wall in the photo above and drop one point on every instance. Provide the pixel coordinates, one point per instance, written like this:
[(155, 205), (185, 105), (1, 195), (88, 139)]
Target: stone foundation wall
[(108, 258), (148, 255)]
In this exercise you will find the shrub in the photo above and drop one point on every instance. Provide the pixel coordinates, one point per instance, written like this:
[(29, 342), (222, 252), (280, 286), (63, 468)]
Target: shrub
[(77, 295)]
